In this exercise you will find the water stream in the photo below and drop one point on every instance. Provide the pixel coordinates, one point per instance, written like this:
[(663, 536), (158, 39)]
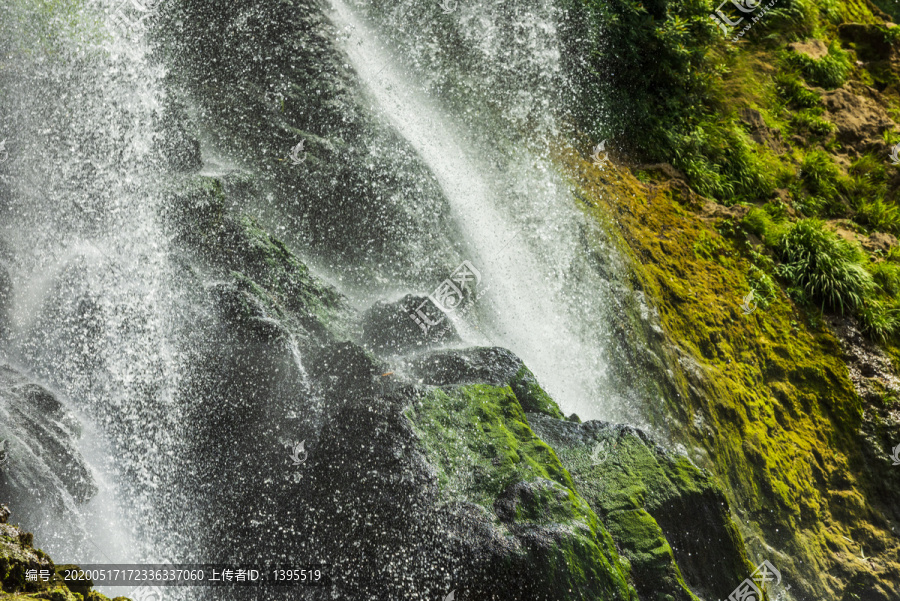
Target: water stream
[(106, 315)]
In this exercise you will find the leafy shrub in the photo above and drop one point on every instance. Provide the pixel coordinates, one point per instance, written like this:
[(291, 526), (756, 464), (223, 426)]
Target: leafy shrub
[(769, 228), (830, 71), (879, 215), (646, 63), (792, 91), (807, 120), (887, 276), (879, 320), (823, 266), (820, 174), (867, 181), (797, 17), (721, 162)]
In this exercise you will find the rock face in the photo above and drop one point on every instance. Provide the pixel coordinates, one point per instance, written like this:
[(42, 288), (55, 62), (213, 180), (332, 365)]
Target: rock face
[(670, 519), (45, 472), (489, 508), (389, 327)]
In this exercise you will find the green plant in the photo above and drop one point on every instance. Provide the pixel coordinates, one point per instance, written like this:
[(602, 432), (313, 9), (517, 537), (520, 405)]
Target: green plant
[(790, 89), (879, 320), (867, 181), (762, 286), (887, 276), (720, 161), (769, 229), (879, 215), (830, 71), (648, 63), (820, 174), (808, 120), (823, 266)]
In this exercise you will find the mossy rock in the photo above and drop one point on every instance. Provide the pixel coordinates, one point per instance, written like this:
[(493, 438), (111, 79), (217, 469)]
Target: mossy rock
[(478, 440), (17, 556), (237, 248), (669, 518), (489, 365)]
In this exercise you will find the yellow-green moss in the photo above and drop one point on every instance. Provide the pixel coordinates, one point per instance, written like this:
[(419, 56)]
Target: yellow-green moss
[(766, 398), (478, 439)]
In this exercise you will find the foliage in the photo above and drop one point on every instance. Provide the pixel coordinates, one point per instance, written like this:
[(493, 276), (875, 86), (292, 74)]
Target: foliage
[(809, 121), (880, 215), (887, 276), (879, 320), (648, 66), (820, 174), (790, 89), (721, 162), (823, 266), (830, 71)]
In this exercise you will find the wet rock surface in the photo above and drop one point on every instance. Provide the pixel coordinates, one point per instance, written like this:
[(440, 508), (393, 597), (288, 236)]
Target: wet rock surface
[(45, 472), (389, 328), (668, 517)]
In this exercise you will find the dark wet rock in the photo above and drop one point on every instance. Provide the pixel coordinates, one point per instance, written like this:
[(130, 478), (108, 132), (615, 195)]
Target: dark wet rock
[(345, 371), (494, 365), (869, 367), (872, 44), (361, 195), (386, 494), (668, 517), (389, 327), (222, 246), (45, 472)]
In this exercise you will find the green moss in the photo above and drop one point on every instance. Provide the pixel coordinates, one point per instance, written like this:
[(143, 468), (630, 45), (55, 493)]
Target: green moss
[(485, 425), (532, 397), (479, 440), (754, 394)]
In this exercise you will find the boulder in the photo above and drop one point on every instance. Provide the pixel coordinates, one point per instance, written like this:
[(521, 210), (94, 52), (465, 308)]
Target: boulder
[(395, 328), (669, 518)]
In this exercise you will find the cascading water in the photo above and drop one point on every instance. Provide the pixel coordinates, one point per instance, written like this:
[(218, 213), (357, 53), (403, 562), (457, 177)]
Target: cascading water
[(95, 293), (521, 226), (194, 368)]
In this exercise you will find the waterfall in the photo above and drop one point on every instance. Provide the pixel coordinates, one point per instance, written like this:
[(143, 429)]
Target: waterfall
[(521, 227), (190, 379), (96, 297)]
